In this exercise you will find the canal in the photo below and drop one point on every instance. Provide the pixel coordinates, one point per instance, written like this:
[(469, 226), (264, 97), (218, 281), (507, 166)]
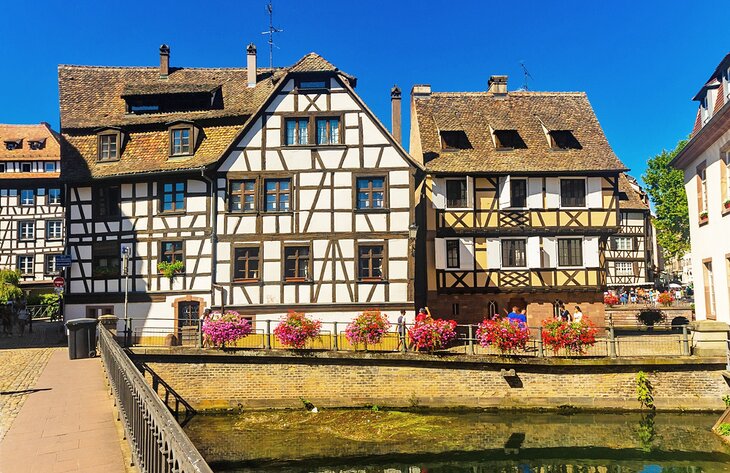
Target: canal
[(420, 441)]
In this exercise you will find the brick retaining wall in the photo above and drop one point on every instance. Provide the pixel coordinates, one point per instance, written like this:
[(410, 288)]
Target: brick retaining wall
[(258, 379)]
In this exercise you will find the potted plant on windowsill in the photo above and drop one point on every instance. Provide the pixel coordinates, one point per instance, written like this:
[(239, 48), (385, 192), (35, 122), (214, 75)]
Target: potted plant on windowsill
[(726, 204), (703, 217), (170, 269)]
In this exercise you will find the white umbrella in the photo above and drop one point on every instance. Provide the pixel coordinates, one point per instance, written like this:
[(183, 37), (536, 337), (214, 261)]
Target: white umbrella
[(674, 285)]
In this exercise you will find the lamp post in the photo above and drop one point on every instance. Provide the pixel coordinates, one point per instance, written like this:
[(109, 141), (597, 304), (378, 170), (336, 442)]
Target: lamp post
[(125, 271)]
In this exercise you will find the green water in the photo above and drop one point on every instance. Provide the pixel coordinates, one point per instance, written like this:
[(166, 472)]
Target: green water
[(459, 441)]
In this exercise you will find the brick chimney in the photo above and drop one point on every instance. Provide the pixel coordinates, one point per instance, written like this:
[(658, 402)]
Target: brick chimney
[(498, 85), (164, 60), (251, 64), (395, 106)]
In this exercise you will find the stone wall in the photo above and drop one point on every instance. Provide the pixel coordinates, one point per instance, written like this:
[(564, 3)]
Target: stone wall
[(625, 316), (278, 379)]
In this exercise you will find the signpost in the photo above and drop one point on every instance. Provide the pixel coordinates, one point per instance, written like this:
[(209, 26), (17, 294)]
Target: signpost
[(59, 282), (63, 261)]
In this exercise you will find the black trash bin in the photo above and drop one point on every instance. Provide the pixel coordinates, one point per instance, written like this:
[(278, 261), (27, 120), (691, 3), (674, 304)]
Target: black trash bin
[(81, 338)]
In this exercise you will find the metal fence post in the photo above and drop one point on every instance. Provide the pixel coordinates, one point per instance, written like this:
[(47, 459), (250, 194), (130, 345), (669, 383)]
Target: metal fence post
[(127, 332), (471, 339), (267, 335), (199, 340), (540, 348), (403, 336), (685, 340), (611, 342), (335, 346)]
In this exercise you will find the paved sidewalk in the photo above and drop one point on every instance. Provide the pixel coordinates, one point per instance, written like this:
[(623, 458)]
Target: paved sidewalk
[(67, 424)]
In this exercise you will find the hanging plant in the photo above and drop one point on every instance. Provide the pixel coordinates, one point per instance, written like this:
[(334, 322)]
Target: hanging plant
[(432, 334), (296, 329), (170, 269), (226, 328), (368, 328), (506, 335), (575, 337)]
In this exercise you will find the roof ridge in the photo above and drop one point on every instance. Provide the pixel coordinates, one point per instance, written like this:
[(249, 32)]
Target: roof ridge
[(515, 92), (173, 68)]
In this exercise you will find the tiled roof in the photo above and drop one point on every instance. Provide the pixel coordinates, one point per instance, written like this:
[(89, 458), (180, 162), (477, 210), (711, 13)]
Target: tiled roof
[(531, 114), (50, 151), (634, 199), (92, 98)]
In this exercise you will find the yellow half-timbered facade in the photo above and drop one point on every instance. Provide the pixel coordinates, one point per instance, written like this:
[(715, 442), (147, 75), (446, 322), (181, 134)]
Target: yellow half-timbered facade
[(519, 199)]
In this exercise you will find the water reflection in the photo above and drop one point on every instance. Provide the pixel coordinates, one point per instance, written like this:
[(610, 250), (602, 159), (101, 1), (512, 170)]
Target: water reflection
[(433, 441)]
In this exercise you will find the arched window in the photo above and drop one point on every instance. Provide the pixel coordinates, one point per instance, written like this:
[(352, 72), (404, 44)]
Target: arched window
[(492, 308), (556, 308)]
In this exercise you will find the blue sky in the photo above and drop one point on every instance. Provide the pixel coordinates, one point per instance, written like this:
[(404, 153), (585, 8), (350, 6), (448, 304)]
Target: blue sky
[(639, 62)]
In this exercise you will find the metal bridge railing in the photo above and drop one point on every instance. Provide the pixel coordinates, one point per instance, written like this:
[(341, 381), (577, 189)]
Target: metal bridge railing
[(158, 443)]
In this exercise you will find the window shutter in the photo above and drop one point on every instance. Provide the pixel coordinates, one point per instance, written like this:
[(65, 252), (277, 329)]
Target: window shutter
[(470, 192), (494, 254), (552, 192), (636, 269), (533, 252), (550, 252), (438, 193), (440, 253), (466, 253), (534, 193), (614, 243), (590, 251), (594, 199), (504, 192)]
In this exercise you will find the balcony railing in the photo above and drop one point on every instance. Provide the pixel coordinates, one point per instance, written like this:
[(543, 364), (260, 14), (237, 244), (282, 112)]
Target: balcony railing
[(519, 280), (486, 219)]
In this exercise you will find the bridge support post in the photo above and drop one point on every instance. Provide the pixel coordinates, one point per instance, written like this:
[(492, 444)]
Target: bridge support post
[(611, 342)]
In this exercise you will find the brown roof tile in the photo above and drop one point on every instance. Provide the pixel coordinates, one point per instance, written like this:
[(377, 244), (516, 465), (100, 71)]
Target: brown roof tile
[(630, 198), (527, 112), (92, 98), (50, 151)]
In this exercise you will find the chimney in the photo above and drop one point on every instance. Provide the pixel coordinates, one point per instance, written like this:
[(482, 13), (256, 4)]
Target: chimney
[(498, 85), (251, 64), (395, 102), (421, 90), (164, 60)]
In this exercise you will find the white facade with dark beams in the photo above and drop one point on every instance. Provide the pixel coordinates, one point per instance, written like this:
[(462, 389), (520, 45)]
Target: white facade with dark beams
[(32, 227), (276, 189)]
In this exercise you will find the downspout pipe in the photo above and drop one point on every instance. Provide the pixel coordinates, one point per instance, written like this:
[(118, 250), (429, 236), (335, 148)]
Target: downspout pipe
[(213, 237)]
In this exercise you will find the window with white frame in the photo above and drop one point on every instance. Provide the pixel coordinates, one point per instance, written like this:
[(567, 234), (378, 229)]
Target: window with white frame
[(26, 230), (54, 229), (54, 196), (51, 266), (25, 264), (623, 243), (624, 268), (27, 197)]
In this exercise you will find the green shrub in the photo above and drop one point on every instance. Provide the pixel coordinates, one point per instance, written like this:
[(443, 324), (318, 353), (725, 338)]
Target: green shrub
[(724, 429), (726, 400), (644, 390)]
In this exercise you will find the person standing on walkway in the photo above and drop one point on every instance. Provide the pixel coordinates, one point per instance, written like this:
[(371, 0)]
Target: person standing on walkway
[(22, 319), (517, 315), (401, 329)]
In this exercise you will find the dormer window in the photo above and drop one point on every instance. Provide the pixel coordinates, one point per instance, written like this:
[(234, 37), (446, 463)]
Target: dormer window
[(37, 144), (26, 167), (312, 84), (108, 146), (165, 97), (11, 145), (452, 140), (181, 140), (508, 139), (563, 139)]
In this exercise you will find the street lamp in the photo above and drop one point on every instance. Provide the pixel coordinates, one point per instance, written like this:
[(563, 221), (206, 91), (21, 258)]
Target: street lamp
[(126, 251), (412, 234)]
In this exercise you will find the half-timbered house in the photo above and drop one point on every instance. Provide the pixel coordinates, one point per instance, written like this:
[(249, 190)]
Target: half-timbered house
[(520, 197), (630, 254), (277, 190), (31, 203)]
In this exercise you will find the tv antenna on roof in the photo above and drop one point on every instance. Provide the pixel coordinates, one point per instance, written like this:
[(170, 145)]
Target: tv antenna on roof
[(272, 30), (526, 74)]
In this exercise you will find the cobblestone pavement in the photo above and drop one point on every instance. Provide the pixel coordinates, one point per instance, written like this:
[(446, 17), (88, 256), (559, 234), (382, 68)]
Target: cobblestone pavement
[(22, 360)]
